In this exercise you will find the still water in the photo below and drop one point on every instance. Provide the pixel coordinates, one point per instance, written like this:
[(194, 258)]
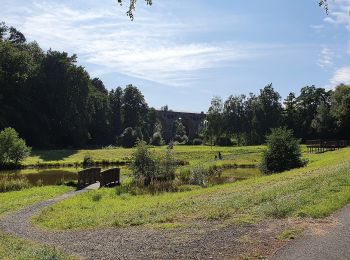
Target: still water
[(48, 176), (61, 175)]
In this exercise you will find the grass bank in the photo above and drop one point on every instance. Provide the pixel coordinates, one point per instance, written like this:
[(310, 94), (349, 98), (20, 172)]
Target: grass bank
[(185, 153), (14, 200), (314, 191), (13, 248)]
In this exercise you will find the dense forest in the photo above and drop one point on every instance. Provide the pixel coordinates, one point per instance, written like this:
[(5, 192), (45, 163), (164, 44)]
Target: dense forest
[(53, 103), (314, 114)]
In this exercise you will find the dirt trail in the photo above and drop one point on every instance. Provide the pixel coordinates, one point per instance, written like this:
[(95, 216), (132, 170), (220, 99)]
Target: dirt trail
[(199, 241)]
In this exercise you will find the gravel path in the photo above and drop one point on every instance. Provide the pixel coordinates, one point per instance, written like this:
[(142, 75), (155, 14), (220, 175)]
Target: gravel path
[(199, 241), (329, 242)]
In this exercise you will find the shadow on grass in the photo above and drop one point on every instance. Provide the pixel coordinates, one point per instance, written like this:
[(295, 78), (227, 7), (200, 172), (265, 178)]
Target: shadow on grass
[(53, 155)]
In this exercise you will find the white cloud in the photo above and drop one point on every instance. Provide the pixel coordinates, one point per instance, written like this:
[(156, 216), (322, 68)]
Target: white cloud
[(154, 47), (339, 11), (340, 76), (149, 48), (325, 58)]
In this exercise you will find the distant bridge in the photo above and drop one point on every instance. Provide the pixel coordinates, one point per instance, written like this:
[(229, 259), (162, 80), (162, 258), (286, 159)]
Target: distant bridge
[(191, 121)]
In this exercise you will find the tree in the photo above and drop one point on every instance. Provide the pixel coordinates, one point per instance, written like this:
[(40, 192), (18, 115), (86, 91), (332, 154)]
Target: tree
[(61, 94), (234, 115), (283, 152), (132, 6), (323, 123), (13, 149), (134, 107), (308, 102), (215, 119), (340, 110), (116, 120)]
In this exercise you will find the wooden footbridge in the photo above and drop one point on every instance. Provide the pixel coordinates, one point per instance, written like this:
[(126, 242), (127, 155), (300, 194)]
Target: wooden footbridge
[(107, 178), (320, 146)]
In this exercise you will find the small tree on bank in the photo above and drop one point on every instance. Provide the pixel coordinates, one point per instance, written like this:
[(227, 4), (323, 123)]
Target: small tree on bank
[(283, 152), (147, 167), (13, 149)]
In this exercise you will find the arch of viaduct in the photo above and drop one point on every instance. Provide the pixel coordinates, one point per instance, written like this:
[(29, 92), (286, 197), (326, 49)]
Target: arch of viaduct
[(191, 121)]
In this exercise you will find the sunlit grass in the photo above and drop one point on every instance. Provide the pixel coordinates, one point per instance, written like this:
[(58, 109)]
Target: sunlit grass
[(14, 200), (191, 154), (314, 191), (14, 248)]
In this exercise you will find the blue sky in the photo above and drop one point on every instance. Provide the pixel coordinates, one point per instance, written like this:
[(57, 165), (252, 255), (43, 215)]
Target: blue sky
[(182, 53)]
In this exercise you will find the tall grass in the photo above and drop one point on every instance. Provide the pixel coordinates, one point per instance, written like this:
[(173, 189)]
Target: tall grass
[(9, 183)]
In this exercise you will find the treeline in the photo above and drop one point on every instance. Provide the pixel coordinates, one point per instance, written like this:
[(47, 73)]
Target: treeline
[(314, 113), (54, 103)]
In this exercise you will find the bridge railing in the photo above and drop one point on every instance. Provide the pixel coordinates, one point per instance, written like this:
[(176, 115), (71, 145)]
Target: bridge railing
[(320, 146), (110, 177), (89, 176), (106, 178)]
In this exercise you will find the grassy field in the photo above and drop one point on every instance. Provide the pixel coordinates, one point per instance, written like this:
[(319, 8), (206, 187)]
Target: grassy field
[(314, 191), (14, 200), (186, 153), (13, 248)]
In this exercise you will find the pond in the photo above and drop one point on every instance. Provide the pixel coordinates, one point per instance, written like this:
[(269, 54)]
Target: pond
[(235, 174), (48, 176), (62, 175)]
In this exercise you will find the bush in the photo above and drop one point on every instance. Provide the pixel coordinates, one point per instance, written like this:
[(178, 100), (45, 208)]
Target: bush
[(157, 139), (146, 167), (224, 141), (88, 161), (283, 152), (143, 164), (129, 137), (181, 139), (8, 183), (167, 167), (199, 176), (13, 149), (197, 141)]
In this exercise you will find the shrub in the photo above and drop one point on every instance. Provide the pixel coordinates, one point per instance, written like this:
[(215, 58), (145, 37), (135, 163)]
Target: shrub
[(88, 161), (143, 164), (199, 176), (181, 139), (157, 139), (167, 167), (146, 167), (13, 149), (283, 152), (129, 137), (224, 141), (197, 141), (8, 183)]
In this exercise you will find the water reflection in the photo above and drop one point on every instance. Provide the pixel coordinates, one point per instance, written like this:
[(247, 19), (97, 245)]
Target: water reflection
[(38, 177)]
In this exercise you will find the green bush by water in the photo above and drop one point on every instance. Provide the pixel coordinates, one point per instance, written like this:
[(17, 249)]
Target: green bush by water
[(8, 183)]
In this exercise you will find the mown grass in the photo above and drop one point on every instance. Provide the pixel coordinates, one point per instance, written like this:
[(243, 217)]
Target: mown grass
[(14, 200), (185, 153), (314, 191), (14, 248)]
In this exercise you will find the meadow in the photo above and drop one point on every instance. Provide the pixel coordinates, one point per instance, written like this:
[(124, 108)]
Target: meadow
[(315, 191), (185, 153)]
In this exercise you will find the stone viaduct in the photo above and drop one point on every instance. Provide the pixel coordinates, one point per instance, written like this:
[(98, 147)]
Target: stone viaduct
[(191, 121)]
